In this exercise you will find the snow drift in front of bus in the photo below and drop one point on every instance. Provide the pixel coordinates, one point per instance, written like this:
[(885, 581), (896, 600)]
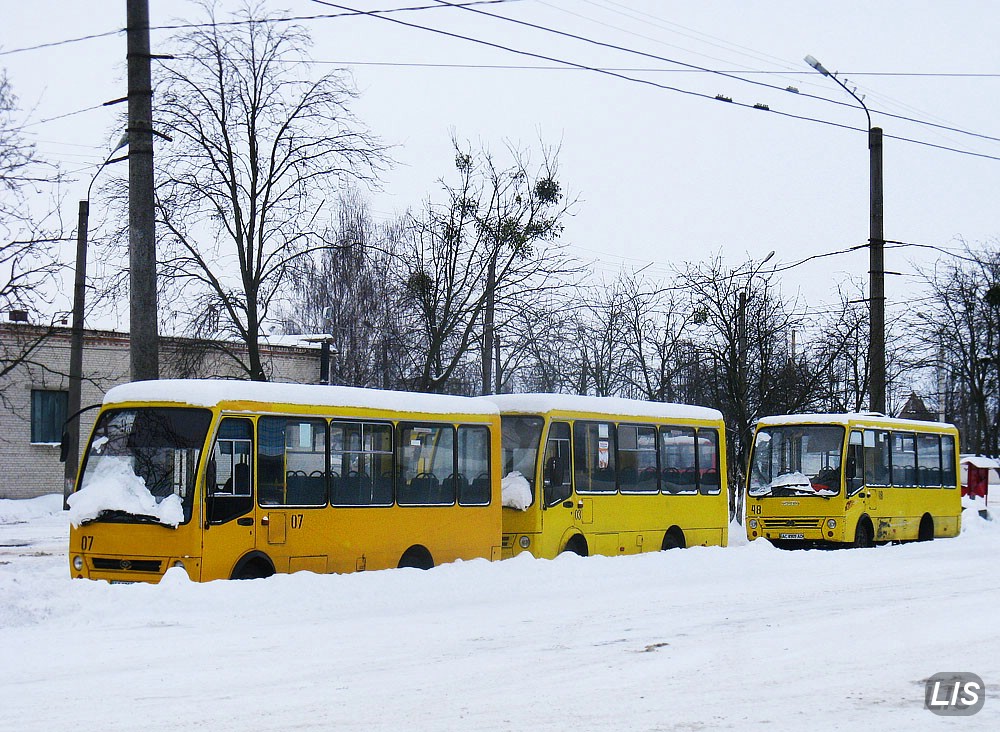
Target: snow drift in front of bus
[(110, 484)]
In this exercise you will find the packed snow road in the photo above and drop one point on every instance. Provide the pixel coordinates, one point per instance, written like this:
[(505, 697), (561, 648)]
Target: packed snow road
[(746, 637)]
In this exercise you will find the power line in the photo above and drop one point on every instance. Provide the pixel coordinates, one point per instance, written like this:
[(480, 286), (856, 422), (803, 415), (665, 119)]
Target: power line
[(633, 79), (325, 16), (289, 19), (702, 69), (64, 42)]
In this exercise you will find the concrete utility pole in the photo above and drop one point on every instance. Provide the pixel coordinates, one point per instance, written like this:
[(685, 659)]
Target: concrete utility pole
[(876, 250), (876, 247), (144, 339)]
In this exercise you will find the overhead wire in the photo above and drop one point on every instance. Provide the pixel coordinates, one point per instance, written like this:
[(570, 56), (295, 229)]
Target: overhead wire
[(695, 67)]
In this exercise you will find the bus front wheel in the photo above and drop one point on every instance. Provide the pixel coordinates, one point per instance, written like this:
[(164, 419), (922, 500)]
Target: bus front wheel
[(253, 567), (864, 535), (576, 545)]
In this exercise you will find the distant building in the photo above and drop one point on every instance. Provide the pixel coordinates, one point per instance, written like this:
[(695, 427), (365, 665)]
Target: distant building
[(916, 409), (34, 393)]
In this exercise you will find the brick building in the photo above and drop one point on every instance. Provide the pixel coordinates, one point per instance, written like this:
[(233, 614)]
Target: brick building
[(33, 393)]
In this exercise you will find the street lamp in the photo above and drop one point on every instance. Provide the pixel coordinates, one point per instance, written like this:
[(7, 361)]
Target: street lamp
[(876, 246), (71, 436)]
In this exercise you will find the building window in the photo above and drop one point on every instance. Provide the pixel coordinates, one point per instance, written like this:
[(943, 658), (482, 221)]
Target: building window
[(48, 413)]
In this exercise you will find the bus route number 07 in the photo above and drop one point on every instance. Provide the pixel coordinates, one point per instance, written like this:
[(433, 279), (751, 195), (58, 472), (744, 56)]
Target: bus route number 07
[(296, 520)]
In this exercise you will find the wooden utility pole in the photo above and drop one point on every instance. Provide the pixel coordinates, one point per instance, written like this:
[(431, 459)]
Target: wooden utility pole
[(144, 339)]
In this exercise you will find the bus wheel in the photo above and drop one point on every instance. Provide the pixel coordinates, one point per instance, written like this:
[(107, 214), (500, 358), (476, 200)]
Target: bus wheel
[(864, 535), (576, 545), (673, 539), (253, 568), (416, 557), (926, 532)]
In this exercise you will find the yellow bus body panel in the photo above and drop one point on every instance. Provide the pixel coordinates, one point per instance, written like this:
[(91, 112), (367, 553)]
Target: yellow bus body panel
[(616, 524), (318, 539), (895, 512)]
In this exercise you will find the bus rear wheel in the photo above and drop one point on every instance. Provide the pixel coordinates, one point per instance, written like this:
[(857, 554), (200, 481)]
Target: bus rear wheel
[(926, 532), (864, 535), (416, 557), (673, 539)]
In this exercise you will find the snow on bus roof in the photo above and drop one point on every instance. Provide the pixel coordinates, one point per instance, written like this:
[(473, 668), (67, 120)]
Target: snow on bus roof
[(862, 419), (544, 403), (210, 392)]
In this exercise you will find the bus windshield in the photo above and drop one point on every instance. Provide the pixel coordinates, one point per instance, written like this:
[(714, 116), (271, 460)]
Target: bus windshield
[(141, 466), (797, 460), (521, 437)]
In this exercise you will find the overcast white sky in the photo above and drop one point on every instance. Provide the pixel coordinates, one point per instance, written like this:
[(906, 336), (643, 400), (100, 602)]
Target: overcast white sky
[(663, 176)]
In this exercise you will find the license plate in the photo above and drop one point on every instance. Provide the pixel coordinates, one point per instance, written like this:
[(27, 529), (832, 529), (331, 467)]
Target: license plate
[(792, 536)]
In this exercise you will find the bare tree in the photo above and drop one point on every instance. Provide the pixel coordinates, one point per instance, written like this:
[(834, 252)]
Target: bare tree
[(961, 336), (352, 293), (257, 150), (744, 335), (656, 324), (27, 261), (477, 261)]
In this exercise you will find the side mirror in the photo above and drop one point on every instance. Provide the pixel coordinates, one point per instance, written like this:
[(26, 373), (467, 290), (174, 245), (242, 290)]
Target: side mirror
[(64, 446)]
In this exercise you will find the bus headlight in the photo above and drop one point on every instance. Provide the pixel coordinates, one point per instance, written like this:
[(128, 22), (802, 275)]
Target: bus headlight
[(753, 523), (180, 564), (78, 563), (524, 541), (831, 523)]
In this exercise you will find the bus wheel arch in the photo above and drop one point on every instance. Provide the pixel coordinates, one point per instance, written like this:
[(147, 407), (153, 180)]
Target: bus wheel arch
[(255, 565), (864, 533), (416, 557), (926, 531), (576, 544), (673, 539)]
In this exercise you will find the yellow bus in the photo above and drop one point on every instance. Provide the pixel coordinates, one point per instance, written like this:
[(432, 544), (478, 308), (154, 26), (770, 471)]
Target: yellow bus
[(599, 475), (852, 479), (232, 479)]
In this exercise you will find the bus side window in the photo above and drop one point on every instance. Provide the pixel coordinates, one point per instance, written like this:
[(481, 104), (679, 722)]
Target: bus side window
[(855, 463)]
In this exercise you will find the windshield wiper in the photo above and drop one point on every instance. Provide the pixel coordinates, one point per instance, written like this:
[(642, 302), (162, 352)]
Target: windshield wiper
[(119, 515)]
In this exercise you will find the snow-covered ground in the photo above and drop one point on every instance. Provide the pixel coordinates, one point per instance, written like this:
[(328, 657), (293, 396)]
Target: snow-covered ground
[(742, 638)]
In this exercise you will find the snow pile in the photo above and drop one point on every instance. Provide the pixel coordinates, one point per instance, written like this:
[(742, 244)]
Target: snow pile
[(849, 636), (111, 485), (790, 480), (19, 511), (516, 491)]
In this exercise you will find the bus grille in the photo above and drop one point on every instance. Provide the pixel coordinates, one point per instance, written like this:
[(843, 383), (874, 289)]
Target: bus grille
[(792, 523), (127, 565), (507, 541)]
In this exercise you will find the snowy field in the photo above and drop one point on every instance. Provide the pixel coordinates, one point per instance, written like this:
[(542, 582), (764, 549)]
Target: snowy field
[(742, 638)]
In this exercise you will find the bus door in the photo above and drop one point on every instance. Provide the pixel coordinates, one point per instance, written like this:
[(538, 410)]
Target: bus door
[(230, 522), (561, 511), (876, 450), (292, 472)]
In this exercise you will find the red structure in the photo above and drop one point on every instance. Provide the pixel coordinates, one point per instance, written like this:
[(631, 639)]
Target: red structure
[(977, 482)]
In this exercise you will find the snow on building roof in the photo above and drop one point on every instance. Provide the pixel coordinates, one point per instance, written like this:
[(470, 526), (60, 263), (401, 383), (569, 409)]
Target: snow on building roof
[(545, 403), (210, 392)]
